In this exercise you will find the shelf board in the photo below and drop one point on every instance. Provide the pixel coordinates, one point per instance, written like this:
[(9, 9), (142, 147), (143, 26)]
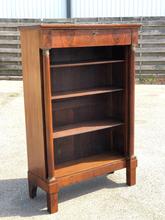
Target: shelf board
[(85, 63), (87, 92), (84, 127), (88, 167)]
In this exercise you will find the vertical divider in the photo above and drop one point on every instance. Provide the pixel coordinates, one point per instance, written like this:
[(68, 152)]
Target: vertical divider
[(131, 99), (126, 64), (48, 113)]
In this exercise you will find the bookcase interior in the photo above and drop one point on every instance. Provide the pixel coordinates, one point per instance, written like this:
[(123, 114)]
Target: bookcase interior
[(71, 148), (87, 101)]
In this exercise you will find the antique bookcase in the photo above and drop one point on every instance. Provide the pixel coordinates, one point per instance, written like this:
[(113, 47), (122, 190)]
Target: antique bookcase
[(79, 103)]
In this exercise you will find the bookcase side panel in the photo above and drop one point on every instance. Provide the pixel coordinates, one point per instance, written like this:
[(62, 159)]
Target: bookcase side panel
[(131, 100), (33, 101)]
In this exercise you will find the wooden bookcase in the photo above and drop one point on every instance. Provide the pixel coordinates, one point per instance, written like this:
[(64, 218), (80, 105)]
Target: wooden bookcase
[(79, 103)]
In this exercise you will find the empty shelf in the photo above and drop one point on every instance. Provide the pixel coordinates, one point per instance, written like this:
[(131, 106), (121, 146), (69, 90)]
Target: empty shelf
[(72, 94), (89, 163), (84, 127), (85, 63)]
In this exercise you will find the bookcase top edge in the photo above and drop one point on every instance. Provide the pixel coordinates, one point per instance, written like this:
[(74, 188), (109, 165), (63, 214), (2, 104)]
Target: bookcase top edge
[(80, 26)]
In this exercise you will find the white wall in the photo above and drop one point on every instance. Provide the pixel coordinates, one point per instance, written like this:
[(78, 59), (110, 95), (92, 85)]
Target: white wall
[(32, 9), (117, 8), (81, 8)]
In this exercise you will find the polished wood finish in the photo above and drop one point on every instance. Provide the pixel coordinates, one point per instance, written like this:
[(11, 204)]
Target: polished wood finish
[(131, 171), (87, 63), (45, 184), (79, 103), (83, 38), (100, 90), (32, 81), (85, 168), (48, 113), (131, 90), (88, 26), (84, 127), (52, 202)]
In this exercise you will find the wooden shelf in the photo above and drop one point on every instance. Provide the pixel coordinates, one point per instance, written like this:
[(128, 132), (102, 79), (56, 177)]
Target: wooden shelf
[(87, 92), (85, 63), (89, 164), (84, 127)]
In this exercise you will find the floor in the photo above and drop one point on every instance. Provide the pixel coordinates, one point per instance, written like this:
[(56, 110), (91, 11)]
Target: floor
[(105, 197)]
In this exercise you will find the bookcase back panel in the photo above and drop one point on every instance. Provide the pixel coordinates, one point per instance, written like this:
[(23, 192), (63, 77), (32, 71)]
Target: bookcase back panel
[(88, 108), (119, 140), (79, 146), (78, 78), (85, 109), (115, 106), (88, 144), (117, 74), (71, 78), (79, 54), (87, 77)]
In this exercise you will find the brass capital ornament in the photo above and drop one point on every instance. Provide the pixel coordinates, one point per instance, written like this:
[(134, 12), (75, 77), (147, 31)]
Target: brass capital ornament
[(45, 52)]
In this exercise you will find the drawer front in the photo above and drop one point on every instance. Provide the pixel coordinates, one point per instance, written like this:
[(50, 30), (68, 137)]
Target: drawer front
[(82, 38)]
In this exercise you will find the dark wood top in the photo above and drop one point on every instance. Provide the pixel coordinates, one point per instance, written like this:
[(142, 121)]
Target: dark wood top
[(80, 26)]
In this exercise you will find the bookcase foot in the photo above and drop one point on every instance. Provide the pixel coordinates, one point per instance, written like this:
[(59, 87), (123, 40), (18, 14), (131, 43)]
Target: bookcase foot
[(32, 189), (52, 202), (131, 171)]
